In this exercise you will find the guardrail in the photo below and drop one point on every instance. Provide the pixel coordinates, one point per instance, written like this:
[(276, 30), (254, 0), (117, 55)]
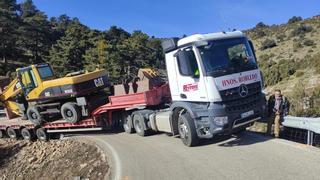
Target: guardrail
[(312, 125)]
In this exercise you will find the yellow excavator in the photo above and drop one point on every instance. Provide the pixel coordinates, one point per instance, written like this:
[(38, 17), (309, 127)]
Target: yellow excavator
[(38, 94)]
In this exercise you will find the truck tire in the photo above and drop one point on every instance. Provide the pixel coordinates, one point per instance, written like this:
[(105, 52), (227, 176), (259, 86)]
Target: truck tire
[(34, 115), (70, 112), (187, 130), (139, 124), (26, 134), (12, 133), (42, 134), (127, 123), (1, 134)]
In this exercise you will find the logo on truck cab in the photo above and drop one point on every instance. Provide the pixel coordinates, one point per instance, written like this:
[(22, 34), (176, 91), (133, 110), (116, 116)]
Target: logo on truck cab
[(190, 87), (243, 90)]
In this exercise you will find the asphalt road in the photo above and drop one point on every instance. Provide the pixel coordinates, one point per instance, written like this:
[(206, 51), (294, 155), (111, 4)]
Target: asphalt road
[(247, 156)]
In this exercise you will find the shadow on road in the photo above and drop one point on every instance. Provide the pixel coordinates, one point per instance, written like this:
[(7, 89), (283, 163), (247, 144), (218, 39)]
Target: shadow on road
[(96, 133), (244, 139)]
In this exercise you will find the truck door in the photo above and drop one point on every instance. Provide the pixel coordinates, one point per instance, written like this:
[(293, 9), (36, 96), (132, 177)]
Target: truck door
[(190, 79), (27, 80)]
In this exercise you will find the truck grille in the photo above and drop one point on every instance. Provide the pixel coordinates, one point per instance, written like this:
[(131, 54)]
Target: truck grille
[(233, 94), (235, 103)]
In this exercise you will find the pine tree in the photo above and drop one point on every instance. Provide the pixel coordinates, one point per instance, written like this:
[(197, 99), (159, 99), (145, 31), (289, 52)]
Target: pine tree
[(9, 23), (67, 55), (35, 32)]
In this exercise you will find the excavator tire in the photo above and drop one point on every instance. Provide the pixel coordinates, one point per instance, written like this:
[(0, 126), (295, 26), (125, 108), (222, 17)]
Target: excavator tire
[(34, 115), (70, 112)]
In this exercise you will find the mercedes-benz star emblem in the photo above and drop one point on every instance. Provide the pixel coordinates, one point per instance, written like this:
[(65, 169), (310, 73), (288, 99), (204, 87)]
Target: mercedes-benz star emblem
[(243, 90)]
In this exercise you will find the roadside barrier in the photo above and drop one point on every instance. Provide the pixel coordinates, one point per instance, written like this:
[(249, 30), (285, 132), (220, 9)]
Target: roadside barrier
[(302, 129)]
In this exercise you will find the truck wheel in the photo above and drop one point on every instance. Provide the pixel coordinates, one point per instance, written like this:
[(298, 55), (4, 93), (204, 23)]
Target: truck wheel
[(26, 134), (42, 135), (187, 130), (127, 123), (1, 134), (12, 133), (34, 115), (138, 122), (70, 112)]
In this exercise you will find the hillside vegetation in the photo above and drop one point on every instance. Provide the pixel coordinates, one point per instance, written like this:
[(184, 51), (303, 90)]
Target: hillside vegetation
[(289, 57)]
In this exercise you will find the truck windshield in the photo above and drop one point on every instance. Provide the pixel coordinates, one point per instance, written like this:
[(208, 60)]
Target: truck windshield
[(226, 56)]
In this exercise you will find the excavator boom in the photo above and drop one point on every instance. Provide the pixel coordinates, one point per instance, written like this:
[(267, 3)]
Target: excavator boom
[(8, 97)]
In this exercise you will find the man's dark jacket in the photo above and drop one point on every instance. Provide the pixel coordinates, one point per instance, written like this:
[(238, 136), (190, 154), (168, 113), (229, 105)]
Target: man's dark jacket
[(283, 108)]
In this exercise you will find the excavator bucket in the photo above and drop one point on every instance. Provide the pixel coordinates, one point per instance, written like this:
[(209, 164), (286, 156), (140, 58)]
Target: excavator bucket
[(146, 80)]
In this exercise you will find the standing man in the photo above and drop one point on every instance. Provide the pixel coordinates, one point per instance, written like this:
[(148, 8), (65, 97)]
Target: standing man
[(278, 107)]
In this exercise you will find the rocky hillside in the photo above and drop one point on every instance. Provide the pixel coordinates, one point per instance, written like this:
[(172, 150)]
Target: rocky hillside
[(56, 159), (289, 56)]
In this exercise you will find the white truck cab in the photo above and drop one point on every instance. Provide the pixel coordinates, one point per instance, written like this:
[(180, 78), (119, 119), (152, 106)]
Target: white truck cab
[(215, 83)]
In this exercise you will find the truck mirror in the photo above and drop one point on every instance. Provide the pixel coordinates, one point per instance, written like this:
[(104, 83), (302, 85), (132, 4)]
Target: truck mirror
[(187, 63)]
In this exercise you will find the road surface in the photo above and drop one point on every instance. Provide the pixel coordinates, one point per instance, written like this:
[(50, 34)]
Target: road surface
[(247, 156)]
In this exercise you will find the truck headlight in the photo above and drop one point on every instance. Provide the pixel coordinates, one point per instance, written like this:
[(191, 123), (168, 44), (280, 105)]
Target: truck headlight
[(220, 121)]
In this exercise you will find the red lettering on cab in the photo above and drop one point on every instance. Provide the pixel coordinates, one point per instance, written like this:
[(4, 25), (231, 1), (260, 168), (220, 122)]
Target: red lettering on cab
[(190, 87)]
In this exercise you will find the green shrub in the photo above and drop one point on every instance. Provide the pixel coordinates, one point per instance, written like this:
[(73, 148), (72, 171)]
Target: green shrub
[(299, 73), (301, 30), (308, 42), (294, 19), (261, 25), (266, 57), (297, 45), (281, 37), (296, 98), (268, 43), (260, 33), (311, 112)]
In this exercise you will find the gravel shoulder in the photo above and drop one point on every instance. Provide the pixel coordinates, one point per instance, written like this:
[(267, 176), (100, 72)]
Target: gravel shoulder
[(56, 159)]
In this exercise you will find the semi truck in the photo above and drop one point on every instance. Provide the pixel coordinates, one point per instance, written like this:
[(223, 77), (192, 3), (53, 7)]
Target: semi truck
[(214, 87)]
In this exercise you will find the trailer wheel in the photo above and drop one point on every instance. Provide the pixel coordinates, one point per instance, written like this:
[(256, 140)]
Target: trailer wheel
[(12, 133), (127, 123), (187, 130), (34, 115), (42, 134), (70, 112), (1, 134), (138, 122), (26, 134)]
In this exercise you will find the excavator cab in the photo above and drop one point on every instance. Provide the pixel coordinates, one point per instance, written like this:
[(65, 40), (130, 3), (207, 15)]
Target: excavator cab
[(31, 76), (27, 79)]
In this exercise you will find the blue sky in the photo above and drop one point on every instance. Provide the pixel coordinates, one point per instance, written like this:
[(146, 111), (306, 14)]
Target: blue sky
[(168, 18)]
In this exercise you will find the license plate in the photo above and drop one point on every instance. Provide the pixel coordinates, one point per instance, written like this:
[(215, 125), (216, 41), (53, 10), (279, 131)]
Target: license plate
[(247, 114)]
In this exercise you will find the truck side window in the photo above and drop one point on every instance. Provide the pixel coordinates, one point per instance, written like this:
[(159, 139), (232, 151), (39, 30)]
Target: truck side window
[(187, 63)]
